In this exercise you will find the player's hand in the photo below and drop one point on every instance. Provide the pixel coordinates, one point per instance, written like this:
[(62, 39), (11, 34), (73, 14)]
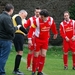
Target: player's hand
[(73, 38), (55, 36), (19, 26), (30, 42), (67, 39)]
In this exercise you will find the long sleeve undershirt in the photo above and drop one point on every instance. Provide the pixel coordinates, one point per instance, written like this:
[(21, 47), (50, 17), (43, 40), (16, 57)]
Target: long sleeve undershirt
[(19, 22)]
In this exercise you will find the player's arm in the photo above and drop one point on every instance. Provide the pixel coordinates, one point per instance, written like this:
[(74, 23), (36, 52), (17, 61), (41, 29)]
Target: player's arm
[(31, 30), (27, 24), (30, 33), (62, 32), (54, 30), (19, 22), (73, 38)]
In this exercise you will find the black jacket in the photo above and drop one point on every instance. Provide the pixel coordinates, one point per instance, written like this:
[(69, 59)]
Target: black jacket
[(7, 29), (19, 22)]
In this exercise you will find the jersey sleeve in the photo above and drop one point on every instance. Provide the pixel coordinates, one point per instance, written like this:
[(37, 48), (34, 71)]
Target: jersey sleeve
[(62, 33), (53, 28), (27, 24), (19, 22), (74, 28), (31, 30)]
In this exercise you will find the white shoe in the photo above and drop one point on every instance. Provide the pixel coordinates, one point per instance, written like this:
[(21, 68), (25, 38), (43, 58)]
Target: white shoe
[(29, 69)]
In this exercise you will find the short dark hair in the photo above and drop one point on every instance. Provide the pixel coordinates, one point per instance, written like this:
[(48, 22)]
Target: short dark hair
[(44, 12), (8, 7), (37, 8)]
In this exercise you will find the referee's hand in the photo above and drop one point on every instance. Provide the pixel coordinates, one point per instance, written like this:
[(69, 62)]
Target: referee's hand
[(18, 27)]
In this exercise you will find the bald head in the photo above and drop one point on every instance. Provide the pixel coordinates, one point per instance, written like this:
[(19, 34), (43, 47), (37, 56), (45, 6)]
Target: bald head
[(23, 14)]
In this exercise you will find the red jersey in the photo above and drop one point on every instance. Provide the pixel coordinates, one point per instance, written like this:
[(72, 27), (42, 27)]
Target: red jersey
[(67, 29), (29, 22), (42, 28)]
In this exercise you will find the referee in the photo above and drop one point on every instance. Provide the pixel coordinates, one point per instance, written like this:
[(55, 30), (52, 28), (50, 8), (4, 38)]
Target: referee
[(19, 39)]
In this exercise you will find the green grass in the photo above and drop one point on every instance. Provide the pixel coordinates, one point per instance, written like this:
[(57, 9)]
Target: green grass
[(53, 65)]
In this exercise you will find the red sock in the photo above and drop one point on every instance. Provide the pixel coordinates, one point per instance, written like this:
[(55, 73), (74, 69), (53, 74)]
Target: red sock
[(73, 58), (34, 65), (37, 66), (29, 59), (65, 59), (41, 63)]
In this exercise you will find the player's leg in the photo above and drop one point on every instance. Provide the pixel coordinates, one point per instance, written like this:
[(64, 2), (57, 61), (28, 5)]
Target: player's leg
[(39, 56), (30, 55), (72, 45), (44, 49), (65, 54), (35, 57), (35, 60), (29, 60), (73, 59), (42, 61)]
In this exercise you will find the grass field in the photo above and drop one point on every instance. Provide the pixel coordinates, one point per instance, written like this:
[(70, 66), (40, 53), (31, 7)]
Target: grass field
[(53, 65)]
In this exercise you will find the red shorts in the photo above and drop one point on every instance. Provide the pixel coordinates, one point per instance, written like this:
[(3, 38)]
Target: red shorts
[(33, 44), (68, 45), (41, 44)]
